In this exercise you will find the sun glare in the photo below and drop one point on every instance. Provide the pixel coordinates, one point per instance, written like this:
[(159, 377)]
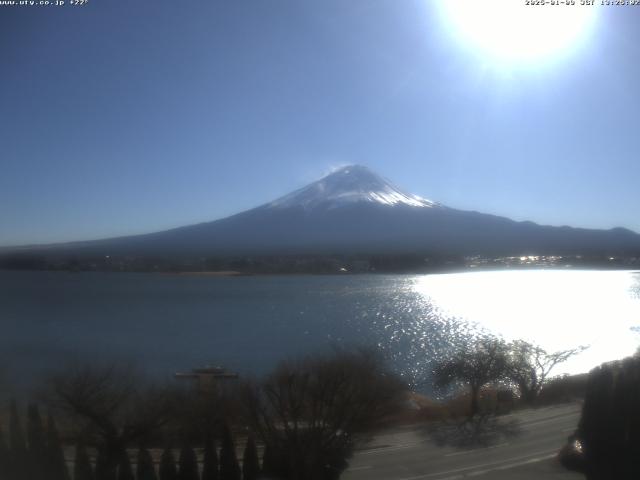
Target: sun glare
[(516, 31), (555, 309)]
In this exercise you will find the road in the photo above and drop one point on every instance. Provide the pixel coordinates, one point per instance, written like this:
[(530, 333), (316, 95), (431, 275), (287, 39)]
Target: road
[(412, 454)]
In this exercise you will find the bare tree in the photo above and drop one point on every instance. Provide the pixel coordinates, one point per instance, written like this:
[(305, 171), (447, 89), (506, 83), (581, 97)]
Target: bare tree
[(529, 366), (308, 412), (200, 414), (480, 362), (112, 405)]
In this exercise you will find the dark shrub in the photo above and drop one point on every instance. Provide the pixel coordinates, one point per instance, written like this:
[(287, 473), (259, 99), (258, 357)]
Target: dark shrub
[(144, 469), (168, 470), (210, 470), (4, 456), (56, 464), (82, 466), (125, 472), (37, 444), (18, 461), (229, 467), (188, 464), (105, 470), (250, 463), (609, 429), (309, 412)]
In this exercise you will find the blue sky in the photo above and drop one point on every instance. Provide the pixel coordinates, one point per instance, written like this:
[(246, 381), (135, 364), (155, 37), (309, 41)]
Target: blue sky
[(125, 117)]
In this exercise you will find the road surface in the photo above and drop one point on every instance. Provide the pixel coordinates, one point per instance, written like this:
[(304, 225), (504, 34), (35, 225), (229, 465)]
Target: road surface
[(529, 454)]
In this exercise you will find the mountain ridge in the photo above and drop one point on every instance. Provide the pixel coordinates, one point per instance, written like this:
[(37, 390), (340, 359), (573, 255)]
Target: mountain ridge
[(353, 210)]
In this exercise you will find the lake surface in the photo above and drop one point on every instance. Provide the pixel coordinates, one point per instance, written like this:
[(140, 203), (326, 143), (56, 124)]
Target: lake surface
[(168, 323)]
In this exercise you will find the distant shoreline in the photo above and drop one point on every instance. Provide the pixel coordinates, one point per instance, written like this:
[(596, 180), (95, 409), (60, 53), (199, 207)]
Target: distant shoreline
[(438, 271), (213, 273)]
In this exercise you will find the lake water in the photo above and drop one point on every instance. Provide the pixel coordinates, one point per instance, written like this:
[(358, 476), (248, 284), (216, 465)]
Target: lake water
[(168, 323)]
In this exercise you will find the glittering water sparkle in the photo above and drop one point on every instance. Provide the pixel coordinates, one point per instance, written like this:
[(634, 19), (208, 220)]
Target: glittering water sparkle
[(555, 309), (167, 323)]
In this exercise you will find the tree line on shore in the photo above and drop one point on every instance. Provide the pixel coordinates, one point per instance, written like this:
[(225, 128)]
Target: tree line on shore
[(304, 263)]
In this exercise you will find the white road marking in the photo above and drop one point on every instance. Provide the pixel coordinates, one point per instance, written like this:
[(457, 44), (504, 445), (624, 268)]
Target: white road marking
[(377, 451), (394, 448), (493, 465), (454, 454), (547, 420), (511, 465), (363, 467)]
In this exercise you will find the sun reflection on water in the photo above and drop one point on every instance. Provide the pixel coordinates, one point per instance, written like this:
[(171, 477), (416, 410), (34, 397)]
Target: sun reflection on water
[(555, 309)]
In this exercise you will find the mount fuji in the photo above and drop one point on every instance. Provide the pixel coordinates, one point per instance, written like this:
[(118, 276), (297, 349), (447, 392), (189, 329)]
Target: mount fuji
[(355, 211), (349, 185)]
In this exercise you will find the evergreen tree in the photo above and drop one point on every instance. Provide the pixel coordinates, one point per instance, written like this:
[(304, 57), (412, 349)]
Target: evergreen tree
[(229, 468), (210, 461), (268, 463), (18, 462), (273, 463), (168, 469), (56, 464), (104, 469), (82, 466), (125, 472), (37, 444), (4, 456), (609, 428), (250, 463), (188, 464), (145, 470)]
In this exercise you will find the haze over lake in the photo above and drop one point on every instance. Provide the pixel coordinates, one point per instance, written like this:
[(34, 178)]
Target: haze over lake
[(167, 323)]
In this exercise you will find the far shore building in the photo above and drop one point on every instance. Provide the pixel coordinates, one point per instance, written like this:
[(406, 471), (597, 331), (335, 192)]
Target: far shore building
[(208, 378)]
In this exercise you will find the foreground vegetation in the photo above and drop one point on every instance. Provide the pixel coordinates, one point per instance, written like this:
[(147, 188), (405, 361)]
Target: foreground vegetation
[(306, 415), (302, 421), (517, 368), (606, 444)]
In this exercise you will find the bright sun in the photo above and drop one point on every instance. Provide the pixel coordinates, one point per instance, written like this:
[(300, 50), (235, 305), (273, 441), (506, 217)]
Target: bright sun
[(514, 31)]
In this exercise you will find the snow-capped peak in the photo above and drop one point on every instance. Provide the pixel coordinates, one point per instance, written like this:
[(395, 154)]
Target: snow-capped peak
[(348, 185)]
